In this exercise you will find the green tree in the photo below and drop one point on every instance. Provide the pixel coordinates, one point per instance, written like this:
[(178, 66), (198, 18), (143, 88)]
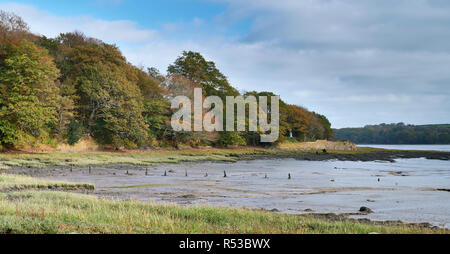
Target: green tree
[(111, 106), (231, 138), (157, 117), (326, 125), (28, 93), (106, 89), (193, 66)]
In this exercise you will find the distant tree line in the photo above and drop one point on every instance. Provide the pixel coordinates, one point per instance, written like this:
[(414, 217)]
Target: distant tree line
[(64, 89), (396, 134)]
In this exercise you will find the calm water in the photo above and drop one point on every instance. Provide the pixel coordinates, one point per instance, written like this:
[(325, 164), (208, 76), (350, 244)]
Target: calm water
[(405, 190), (443, 148)]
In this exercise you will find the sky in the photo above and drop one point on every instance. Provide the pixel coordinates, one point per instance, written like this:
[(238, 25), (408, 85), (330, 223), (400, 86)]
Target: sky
[(358, 62)]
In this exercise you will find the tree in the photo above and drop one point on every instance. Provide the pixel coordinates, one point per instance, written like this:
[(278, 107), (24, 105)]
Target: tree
[(110, 106), (148, 85), (154, 73), (327, 131), (28, 94), (299, 121), (12, 29), (74, 86), (157, 116), (193, 66), (109, 102), (231, 138), (396, 134)]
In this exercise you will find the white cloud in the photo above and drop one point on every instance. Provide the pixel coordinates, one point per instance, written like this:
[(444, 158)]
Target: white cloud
[(357, 62), (349, 24), (123, 31)]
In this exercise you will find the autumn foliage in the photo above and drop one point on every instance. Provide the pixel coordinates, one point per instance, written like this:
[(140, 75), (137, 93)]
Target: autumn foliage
[(64, 89)]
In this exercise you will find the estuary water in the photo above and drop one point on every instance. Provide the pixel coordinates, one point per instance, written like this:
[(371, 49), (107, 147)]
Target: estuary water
[(410, 190), (442, 148)]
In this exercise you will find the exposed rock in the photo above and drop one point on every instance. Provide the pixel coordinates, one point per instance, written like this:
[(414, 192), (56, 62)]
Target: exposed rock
[(365, 210)]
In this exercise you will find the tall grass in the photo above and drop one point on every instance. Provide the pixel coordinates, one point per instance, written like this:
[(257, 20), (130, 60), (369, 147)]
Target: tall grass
[(56, 212), (16, 182), (41, 160)]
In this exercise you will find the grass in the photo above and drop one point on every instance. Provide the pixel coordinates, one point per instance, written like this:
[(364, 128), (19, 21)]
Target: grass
[(62, 213), (25, 206), (41, 160), (16, 182)]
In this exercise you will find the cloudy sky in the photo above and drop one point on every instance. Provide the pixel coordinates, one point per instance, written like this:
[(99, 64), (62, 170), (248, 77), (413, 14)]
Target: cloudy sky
[(356, 61)]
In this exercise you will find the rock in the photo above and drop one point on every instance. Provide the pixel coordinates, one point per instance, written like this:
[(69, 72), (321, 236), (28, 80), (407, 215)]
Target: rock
[(365, 210), (309, 210)]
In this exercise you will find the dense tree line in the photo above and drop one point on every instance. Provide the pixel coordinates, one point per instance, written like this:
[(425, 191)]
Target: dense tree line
[(65, 89), (396, 134)]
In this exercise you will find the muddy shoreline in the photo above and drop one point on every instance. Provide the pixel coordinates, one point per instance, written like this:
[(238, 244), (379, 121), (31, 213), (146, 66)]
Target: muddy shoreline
[(316, 191), (389, 156), (346, 217)]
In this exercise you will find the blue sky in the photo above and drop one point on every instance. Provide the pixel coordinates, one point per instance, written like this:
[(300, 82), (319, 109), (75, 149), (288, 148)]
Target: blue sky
[(147, 13), (150, 14), (357, 62)]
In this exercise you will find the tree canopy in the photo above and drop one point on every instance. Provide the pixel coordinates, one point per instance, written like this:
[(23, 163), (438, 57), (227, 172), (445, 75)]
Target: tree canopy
[(64, 89), (28, 94), (399, 133), (193, 66)]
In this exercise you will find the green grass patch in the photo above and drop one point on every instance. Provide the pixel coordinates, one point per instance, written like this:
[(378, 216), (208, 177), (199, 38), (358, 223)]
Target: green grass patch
[(62, 213), (18, 183), (41, 160)]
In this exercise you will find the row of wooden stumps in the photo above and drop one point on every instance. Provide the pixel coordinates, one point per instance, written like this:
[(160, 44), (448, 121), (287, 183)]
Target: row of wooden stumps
[(90, 170), (186, 173), (224, 174)]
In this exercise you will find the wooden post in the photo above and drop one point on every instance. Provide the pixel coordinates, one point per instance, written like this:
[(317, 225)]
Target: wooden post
[(224, 173)]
